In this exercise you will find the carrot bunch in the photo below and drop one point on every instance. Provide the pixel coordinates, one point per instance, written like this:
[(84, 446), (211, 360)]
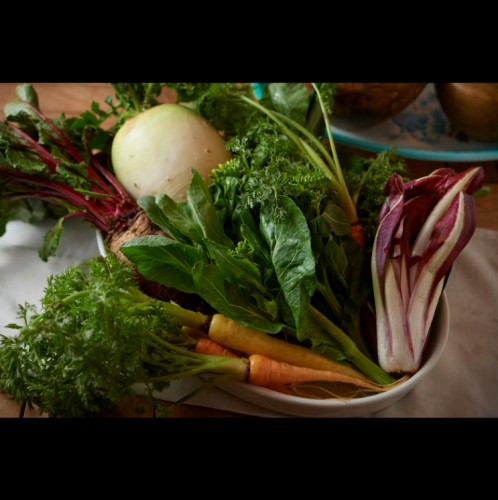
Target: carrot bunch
[(266, 372), (274, 363)]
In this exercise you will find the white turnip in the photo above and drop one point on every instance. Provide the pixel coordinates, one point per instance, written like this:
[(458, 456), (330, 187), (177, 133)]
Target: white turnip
[(154, 152)]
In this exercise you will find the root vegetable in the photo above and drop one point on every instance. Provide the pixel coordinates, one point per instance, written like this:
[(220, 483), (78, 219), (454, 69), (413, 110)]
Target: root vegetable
[(264, 371), (206, 346), (230, 334), (273, 375), (153, 152)]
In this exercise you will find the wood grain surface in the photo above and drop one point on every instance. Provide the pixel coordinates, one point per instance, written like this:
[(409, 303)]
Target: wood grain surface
[(75, 98)]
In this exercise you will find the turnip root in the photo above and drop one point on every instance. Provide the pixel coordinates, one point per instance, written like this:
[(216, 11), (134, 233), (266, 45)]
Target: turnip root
[(153, 152)]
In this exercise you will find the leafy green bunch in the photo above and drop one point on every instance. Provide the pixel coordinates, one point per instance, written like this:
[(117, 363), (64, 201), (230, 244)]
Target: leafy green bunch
[(95, 337), (265, 273), (45, 173), (265, 166)]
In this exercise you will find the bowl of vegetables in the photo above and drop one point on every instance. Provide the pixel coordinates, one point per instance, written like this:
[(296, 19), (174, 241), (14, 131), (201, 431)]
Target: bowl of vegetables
[(325, 400), (260, 271), (316, 399)]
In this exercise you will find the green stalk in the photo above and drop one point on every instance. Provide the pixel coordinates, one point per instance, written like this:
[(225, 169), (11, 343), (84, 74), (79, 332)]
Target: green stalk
[(314, 123), (313, 139), (73, 297), (331, 299), (132, 298), (178, 350), (345, 200), (237, 368), (353, 331), (180, 316), (134, 98), (321, 164), (351, 351), (148, 92), (362, 183), (192, 319)]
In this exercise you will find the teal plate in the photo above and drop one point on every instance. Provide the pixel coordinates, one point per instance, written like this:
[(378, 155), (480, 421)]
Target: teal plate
[(421, 131)]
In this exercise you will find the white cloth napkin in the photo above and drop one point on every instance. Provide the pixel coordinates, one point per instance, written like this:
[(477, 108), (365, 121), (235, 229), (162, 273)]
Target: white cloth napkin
[(463, 384)]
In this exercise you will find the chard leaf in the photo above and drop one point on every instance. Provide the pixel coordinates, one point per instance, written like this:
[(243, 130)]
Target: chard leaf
[(180, 216), (204, 213), (91, 194), (28, 210), (51, 241), (20, 113), (157, 216), (292, 258), (24, 163), (333, 220), (290, 99), (163, 260), (228, 300), (75, 181), (27, 93)]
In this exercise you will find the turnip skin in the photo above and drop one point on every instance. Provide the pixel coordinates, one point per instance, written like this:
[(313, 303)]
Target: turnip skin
[(153, 152)]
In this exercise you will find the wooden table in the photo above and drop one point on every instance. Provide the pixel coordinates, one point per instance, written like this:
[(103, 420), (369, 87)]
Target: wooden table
[(73, 99)]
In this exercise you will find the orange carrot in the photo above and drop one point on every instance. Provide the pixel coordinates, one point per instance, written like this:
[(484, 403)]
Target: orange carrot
[(274, 375), (359, 235), (264, 371), (206, 346)]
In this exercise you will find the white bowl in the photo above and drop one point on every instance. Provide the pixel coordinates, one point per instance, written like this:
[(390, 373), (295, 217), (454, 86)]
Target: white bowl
[(304, 407)]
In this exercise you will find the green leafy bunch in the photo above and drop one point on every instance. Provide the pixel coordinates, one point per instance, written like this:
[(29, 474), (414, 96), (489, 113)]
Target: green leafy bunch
[(47, 169), (264, 274), (366, 178), (95, 336), (266, 164), (219, 103), (130, 100)]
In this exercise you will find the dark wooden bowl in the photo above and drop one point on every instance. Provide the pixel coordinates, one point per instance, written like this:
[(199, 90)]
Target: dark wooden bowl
[(362, 105), (472, 108)]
